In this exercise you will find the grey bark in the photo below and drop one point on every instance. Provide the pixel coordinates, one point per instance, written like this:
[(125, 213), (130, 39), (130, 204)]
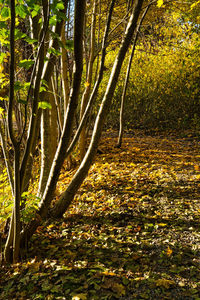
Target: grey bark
[(121, 119), (81, 173), (86, 94), (97, 83), (68, 122)]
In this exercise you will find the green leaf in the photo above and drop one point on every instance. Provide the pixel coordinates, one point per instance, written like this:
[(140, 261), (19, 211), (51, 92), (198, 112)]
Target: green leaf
[(54, 51), (27, 84), (2, 56), (21, 11), (26, 63), (44, 83), (18, 86), (19, 34), (44, 105), (53, 20), (42, 89), (22, 101), (30, 40), (35, 10), (69, 45), (60, 6), (5, 12)]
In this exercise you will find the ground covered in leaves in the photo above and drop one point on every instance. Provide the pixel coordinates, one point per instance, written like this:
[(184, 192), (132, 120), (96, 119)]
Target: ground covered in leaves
[(131, 233)]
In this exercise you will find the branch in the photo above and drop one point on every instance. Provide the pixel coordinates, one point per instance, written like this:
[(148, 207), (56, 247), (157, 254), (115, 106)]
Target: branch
[(6, 160), (98, 81), (12, 74)]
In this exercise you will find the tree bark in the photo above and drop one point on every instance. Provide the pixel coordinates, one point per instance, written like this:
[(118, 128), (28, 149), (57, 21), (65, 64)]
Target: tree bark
[(121, 119), (64, 71), (6, 159), (32, 131), (67, 197), (86, 94), (12, 247), (68, 122), (97, 83)]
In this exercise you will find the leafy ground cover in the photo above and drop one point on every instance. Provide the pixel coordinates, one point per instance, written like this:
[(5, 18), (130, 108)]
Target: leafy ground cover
[(131, 233)]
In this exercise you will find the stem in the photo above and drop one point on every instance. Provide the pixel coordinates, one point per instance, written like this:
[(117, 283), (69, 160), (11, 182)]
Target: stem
[(127, 79)]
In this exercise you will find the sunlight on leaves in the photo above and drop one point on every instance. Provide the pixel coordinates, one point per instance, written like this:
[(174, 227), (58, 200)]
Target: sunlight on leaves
[(166, 283), (169, 251), (159, 3), (80, 297)]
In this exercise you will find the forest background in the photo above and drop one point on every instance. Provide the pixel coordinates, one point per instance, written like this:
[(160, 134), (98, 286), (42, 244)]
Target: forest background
[(72, 70)]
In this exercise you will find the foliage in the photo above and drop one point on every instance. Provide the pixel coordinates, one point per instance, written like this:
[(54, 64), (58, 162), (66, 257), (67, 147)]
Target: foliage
[(5, 198), (163, 92), (132, 232), (163, 89)]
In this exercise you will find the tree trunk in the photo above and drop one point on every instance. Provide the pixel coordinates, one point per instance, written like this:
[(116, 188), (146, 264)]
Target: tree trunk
[(64, 71), (49, 134), (11, 252), (121, 118), (68, 122), (17, 200), (67, 197), (97, 83), (86, 94)]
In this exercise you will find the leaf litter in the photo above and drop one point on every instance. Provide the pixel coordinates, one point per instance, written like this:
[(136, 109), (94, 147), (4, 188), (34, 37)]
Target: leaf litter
[(132, 231)]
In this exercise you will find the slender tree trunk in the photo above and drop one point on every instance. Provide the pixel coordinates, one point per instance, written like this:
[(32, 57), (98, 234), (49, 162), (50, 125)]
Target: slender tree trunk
[(97, 83), (64, 71), (32, 131), (49, 135), (6, 159), (65, 80), (46, 150), (68, 122), (67, 197), (86, 94), (17, 200), (44, 72), (121, 119), (12, 247), (58, 106)]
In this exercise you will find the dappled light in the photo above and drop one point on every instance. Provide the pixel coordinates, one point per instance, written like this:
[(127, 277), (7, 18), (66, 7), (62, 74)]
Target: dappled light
[(99, 149), (132, 231)]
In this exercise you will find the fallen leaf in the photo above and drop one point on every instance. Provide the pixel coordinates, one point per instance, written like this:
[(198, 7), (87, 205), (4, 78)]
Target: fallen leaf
[(80, 297), (169, 251), (166, 283)]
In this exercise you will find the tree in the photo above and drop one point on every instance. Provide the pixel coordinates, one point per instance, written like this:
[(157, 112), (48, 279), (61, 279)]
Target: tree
[(163, 87), (53, 16), (121, 119)]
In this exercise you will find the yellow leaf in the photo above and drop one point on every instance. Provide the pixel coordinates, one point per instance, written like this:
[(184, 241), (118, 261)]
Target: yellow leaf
[(159, 3), (194, 5), (165, 283), (181, 283), (169, 251), (119, 289), (1, 68), (197, 168), (162, 224), (107, 273), (1, 110), (50, 226), (87, 84), (80, 297)]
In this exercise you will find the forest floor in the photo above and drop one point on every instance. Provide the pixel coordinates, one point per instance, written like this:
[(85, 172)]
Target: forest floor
[(133, 231)]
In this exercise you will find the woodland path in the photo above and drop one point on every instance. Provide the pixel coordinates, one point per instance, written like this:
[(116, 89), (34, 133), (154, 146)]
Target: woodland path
[(133, 231)]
